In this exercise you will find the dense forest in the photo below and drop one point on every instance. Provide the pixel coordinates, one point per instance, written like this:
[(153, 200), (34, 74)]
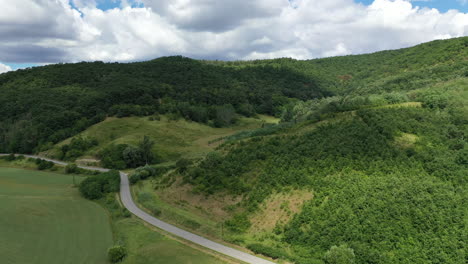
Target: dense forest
[(389, 181), (379, 139), (43, 105)]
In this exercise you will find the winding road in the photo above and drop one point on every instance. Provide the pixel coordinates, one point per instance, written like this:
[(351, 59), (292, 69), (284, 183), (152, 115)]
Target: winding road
[(126, 197)]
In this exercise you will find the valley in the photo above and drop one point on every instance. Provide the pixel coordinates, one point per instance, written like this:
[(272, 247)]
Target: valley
[(360, 157)]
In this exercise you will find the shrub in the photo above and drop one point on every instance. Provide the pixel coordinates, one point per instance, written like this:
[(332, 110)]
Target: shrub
[(44, 164), (71, 168), (266, 250), (239, 223), (10, 157), (126, 213), (153, 209), (116, 254), (134, 178), (183, 164), (339, 255), (94, 187)]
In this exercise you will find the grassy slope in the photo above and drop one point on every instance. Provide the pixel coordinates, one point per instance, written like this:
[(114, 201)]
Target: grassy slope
[(44, 220), (173, 139)]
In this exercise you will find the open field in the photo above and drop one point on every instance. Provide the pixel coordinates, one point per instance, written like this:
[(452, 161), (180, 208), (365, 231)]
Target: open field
[(173, 138), (44, 220), (146, 245), (45, 216)]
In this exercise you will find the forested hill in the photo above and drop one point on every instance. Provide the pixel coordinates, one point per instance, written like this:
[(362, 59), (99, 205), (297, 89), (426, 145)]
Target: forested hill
[(44, 105)]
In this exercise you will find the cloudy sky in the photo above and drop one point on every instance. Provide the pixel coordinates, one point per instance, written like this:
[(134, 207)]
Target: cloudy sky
[(37, 32)]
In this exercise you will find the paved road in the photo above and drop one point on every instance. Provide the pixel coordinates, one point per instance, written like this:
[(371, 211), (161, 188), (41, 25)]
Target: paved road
[(126, 197)]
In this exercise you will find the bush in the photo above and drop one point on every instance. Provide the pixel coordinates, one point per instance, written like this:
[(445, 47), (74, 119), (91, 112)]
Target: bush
[(112, 157), (266, 250), (134, 178), (153, 209), (116, 254), (94, 187), (126, 213), (10, 157), (44, 164), (239, 223), (339, 255), (183, 164), (71, 168)]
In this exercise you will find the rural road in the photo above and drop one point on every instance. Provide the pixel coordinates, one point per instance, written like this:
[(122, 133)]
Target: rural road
[(126, 197)]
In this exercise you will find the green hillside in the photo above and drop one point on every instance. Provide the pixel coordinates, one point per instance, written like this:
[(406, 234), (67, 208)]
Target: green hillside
[(388, 181), (368, 163), (44, 105), (174, 139)]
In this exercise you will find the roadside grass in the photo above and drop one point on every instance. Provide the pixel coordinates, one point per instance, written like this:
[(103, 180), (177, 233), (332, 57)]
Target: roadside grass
[(173, 139), (198, 215), (178, 208), (44, 220), (146, 244)]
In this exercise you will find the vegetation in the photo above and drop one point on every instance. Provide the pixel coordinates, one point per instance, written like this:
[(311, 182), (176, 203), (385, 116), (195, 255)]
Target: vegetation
[(95, 187), (44, 105), (172, 139), (125, 156), (43, 164), (378, 139), (116, 253), (369, 188), (34, 204)]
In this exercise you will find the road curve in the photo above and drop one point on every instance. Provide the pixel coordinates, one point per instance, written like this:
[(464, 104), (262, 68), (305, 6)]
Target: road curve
[(126, 197)]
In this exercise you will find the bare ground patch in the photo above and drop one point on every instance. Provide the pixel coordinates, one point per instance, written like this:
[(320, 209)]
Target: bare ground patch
[(279, 208), (214, 206)]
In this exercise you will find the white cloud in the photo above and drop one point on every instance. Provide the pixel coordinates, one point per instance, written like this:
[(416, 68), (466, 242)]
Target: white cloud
[(52, 31), (4, 68)]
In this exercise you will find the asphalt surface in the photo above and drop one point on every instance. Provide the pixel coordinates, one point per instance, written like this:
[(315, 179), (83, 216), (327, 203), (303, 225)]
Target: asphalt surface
[(126, 197)]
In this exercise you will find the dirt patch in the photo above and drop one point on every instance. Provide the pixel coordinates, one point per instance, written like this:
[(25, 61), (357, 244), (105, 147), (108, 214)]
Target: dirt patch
[(279, 208), (213, 207)]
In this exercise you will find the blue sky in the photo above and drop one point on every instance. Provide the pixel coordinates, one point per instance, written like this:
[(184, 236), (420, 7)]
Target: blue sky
[(441, 5), (39, 32)]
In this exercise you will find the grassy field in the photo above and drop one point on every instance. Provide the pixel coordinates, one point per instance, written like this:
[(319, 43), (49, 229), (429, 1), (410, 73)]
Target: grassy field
[(44, 220), (147, 246), (173, 138)]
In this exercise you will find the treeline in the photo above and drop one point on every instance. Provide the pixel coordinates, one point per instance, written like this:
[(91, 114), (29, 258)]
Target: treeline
[(43, 105)]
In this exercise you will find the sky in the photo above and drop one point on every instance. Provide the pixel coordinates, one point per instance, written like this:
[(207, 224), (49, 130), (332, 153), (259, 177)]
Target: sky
[(40, 32)]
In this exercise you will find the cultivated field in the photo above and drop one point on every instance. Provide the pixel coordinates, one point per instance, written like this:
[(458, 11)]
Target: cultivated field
[(44, 220)]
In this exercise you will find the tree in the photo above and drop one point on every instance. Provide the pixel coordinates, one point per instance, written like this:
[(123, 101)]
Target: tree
[(339, 255), (146, 146), (183, 164), (116, 254), (225, 115), (133, 157)]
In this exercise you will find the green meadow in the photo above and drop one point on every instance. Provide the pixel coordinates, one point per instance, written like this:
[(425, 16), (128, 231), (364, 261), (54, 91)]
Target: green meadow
[(44, 220)]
